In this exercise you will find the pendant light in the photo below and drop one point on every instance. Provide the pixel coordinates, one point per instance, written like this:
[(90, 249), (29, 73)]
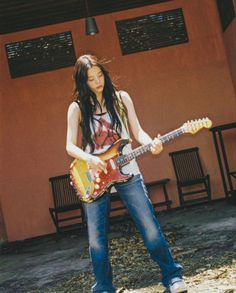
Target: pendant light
[(90, 23)]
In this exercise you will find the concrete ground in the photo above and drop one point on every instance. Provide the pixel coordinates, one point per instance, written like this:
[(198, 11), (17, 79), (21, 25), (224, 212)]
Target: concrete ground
[(202, 238)]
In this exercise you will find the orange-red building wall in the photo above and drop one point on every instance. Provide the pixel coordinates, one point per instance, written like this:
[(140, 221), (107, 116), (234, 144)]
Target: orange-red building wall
[(168, 86), (230, 46)]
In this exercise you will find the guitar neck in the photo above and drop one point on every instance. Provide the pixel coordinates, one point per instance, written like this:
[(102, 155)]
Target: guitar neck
[(124, 159)]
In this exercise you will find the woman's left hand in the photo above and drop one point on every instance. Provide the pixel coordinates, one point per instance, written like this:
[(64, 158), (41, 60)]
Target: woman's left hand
[(156, 146)]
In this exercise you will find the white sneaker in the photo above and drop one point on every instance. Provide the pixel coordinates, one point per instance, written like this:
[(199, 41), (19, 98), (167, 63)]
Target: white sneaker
[(178, 286)]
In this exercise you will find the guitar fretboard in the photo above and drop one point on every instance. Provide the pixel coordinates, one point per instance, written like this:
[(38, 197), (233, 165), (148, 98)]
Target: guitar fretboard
[(124, 159)]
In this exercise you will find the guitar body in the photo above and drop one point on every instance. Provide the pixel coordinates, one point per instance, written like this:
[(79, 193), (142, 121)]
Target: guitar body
[(91, 186)]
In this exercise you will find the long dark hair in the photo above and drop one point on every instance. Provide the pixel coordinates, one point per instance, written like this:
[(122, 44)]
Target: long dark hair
[(87, 99)]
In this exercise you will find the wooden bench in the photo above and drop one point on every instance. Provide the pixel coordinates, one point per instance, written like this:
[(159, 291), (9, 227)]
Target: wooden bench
[(162, 184), (117, 205), (68, 213)]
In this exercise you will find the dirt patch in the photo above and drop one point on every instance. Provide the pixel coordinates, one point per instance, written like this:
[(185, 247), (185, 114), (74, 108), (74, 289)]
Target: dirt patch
[(202, 239)]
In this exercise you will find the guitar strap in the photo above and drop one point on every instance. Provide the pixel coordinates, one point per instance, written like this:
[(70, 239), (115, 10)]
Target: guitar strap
[(122, 111)]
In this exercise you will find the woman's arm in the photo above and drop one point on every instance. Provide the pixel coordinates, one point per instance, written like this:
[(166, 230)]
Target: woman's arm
[(73, 119), (140, 135)]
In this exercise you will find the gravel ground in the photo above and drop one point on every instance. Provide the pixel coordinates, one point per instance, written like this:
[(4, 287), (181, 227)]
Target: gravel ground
[(201, 238)]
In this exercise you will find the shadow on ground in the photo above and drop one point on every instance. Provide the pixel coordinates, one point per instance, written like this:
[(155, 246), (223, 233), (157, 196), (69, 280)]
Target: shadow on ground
[(202, 239)]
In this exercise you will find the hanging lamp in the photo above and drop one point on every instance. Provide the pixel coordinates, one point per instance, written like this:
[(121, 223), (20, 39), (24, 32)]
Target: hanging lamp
[(90, 22)]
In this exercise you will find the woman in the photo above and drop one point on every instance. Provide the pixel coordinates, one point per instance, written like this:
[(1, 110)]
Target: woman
[(102, 114)]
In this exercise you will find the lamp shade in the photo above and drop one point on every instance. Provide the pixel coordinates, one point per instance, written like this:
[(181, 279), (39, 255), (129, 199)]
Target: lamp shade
[(91, 26)]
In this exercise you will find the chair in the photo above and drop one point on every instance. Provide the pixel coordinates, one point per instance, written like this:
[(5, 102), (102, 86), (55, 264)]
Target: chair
[(227, 174), (65, 202), (191, 180)]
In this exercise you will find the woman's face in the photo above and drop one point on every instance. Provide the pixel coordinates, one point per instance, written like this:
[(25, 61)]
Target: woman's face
[(96, 80)]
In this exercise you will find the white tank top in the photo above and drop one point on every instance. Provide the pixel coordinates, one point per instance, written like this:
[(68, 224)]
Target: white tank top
[(104, 136)]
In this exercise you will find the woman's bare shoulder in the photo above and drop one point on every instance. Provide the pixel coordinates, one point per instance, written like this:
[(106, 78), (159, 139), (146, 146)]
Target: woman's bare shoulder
[(124, 96), (74, 106), (74, 109)]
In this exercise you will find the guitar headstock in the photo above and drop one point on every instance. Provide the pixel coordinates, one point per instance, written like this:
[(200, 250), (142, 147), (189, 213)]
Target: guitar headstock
[(194, 126)]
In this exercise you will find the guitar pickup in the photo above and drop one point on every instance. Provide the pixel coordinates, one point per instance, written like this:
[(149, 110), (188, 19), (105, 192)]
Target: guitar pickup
[(112, 163), (90, 176), (88, 192)]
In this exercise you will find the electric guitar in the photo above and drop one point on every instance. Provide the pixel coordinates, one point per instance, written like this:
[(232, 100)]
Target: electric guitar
[(90, 185)]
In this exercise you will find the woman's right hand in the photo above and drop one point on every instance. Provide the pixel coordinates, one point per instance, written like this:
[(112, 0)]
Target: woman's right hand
[(96, 164)]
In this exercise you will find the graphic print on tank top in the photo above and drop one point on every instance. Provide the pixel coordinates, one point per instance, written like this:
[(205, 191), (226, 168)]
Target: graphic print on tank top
[(104, 135)]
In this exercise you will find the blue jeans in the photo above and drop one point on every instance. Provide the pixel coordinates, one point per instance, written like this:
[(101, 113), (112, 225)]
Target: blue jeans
[(134, 195)]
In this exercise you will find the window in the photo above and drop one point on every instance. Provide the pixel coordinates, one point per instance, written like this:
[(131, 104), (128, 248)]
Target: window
[(152, 31), (42, 54), (226, 12)]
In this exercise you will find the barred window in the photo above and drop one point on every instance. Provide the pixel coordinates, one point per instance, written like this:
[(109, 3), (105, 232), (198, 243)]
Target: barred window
[(42, 54), (152, 31)]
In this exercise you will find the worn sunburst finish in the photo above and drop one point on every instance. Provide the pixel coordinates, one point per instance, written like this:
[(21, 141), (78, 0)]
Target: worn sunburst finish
[(90, 185)]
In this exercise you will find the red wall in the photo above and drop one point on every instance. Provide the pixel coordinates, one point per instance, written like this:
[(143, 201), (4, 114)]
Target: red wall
[(230, 46), (168, 86)]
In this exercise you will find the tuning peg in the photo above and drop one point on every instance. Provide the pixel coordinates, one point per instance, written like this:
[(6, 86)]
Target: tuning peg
[(200, 122)]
